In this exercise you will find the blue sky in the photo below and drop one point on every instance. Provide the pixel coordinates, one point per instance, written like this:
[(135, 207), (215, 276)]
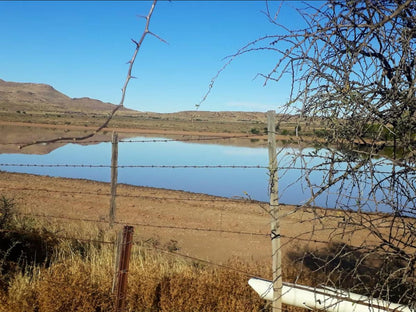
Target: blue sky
[(81, 49)]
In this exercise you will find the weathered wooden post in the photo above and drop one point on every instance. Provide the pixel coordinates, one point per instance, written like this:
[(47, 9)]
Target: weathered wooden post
[(114, 172), (123, 268), (274, 212)]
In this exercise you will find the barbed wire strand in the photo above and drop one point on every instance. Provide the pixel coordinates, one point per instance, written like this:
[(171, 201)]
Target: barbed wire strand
[(185, 228), (178, 254), (138, 166), (87, 240), (140, 243), (224, 166), (212, 198), (170, 227)]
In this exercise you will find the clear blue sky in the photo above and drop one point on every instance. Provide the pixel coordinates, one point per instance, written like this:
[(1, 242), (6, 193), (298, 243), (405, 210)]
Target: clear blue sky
[(81, 49)]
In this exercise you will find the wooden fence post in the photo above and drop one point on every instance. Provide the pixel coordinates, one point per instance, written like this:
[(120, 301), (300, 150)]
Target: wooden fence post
[(123, 268), (274, 212), (117, 251), (114, 172)]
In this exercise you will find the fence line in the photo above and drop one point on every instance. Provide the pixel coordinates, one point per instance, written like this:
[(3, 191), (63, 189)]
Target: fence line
[(88, 240), (185, 228), (82, 239), (181, 255), (214, 199), (140, 166), (147, 225), (305, 236), (140, 244), (196, 167)]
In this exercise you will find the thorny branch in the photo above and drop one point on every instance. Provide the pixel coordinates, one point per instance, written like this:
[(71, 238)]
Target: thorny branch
[(352, 71), (123, 90)]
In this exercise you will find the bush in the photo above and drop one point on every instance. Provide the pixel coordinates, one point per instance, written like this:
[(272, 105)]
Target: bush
[(7, 209), (21, 244), (321, 133), (373, 274), (255, 131)]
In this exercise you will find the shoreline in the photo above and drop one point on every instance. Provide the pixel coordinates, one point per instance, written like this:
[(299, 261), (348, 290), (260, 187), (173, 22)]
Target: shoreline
[(147, 131)]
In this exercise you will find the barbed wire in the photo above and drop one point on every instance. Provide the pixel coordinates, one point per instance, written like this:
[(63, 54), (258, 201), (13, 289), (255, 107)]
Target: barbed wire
[(184, 228), (170, 227), (191, 167), (178, 254), (138, 166), (82, 239), (89, 240), (212, 199), (148, 246)]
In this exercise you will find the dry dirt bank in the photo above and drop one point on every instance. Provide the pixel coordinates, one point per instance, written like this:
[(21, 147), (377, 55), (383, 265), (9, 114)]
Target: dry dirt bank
[(198, 224)]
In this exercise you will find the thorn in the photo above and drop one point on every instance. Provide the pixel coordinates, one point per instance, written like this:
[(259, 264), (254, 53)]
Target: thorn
[(142, 16), (161, 39), (135, 42)]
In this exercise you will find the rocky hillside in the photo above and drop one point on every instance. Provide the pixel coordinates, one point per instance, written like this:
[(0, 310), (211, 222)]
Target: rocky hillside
[(38, 97)]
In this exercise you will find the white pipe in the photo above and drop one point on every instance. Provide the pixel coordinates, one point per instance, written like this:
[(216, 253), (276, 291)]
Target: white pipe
[(328, 299)]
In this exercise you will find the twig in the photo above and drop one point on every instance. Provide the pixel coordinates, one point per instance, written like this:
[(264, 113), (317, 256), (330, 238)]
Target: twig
[(123, 90)]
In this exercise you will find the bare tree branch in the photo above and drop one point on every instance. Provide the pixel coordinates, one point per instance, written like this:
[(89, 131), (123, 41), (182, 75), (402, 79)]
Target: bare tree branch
[(123, 90)]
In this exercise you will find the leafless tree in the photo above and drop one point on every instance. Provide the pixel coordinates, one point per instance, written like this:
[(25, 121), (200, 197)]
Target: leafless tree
[(352, 71)]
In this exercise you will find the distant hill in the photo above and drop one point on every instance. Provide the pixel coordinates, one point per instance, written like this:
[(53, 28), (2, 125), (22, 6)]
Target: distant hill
[(15, 96)]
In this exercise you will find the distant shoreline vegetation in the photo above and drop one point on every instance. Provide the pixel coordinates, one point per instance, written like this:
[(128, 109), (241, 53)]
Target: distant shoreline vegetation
[(312, 133)]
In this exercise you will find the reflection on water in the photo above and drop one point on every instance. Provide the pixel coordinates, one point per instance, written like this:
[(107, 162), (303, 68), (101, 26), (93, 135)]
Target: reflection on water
[(15, 135), (227, 182)]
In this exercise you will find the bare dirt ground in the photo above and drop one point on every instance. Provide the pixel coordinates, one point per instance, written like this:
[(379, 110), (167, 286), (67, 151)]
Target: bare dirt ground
[(206, 227)]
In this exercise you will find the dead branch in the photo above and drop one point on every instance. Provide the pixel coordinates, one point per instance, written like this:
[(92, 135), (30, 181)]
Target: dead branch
[(123, 90)]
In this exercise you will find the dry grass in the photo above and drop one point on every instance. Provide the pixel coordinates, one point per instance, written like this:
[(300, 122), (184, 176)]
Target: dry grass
[(78, 275), (156, 283)]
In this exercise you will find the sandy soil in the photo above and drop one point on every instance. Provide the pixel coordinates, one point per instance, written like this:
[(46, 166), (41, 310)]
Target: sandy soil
[(198, 224)]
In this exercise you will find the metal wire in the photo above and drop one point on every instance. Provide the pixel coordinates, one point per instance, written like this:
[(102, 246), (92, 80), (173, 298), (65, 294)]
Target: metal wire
[(138, 166), (187, 167)]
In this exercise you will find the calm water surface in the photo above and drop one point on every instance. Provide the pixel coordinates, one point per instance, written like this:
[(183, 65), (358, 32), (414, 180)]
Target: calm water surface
[(227, 182)]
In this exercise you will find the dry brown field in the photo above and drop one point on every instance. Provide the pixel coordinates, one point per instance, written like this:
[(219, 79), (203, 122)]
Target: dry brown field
[(206, 227)]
